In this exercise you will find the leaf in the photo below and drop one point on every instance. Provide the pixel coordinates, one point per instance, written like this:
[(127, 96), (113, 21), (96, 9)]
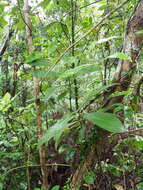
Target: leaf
[(107, 121), (39, 62), (44, 3), (92, 94), (118, 187), (3, 22), (122, 93), (120, 55), (89, 177), (39, 73), (5, 102), (34, 56), (6, 98), (50, 93), (56, 131), (1, 186), (139, 32), (107, 39), (56, 187), (62, 95), (82, 68)]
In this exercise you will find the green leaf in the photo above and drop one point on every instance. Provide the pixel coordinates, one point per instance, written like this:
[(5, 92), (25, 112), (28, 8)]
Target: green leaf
[(107, 121), (5, 102), (39, 63), (6, 98), (95, 92), (56, 131), (139, 32), (57, 187), (1, 186), (44, 3), (120, 55), (3, 22), (64, 3), (50, 93), (89, 177), (39, 73), (82, 68), (107, 39), (34, 56), (122, 93)]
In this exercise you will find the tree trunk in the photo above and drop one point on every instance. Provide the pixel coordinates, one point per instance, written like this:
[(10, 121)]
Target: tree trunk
[(133, 43), (42, 151)]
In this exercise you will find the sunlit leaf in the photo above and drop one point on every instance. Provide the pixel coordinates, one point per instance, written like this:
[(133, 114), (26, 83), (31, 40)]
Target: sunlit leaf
[(120, 55), (107, 39), (3, 22), (139, 32), (118, 187), (5, 102)]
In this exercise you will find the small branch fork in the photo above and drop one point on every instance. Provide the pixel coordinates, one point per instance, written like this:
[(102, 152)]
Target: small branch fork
[(87, 33)]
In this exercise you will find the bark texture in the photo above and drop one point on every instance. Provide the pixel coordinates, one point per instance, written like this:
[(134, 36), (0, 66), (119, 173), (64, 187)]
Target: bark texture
[(42, 151), (6, 43), (132, 46)]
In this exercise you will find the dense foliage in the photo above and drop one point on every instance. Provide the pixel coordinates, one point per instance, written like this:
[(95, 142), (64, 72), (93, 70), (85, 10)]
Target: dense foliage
[(74, 64)]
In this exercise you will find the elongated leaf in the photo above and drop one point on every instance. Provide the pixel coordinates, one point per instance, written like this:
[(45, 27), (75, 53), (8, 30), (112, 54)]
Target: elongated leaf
[(139, 32), (122, 93), (56, 131), (82, 68), (106, 121), (39, 63), (107, 39), (39, 73), (120, 55), (34, 56)]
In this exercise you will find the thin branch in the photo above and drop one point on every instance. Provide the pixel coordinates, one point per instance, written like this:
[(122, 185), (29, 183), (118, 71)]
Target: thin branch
[(87, 5), (87, 33), (22, 16), (138, 86), (36, 165), (131, 132), (5, 44)]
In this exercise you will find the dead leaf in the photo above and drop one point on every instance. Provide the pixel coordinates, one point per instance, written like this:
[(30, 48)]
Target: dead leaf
[(118, 187)]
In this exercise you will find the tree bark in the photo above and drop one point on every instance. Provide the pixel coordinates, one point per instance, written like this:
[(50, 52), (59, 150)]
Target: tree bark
[(132, 46), (6, 43), (42, 151)]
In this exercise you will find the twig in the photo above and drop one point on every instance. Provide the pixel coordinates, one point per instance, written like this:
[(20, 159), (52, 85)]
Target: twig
[(87, 33), (36, 165), (22, 16), (87, 5), (129, 132)]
